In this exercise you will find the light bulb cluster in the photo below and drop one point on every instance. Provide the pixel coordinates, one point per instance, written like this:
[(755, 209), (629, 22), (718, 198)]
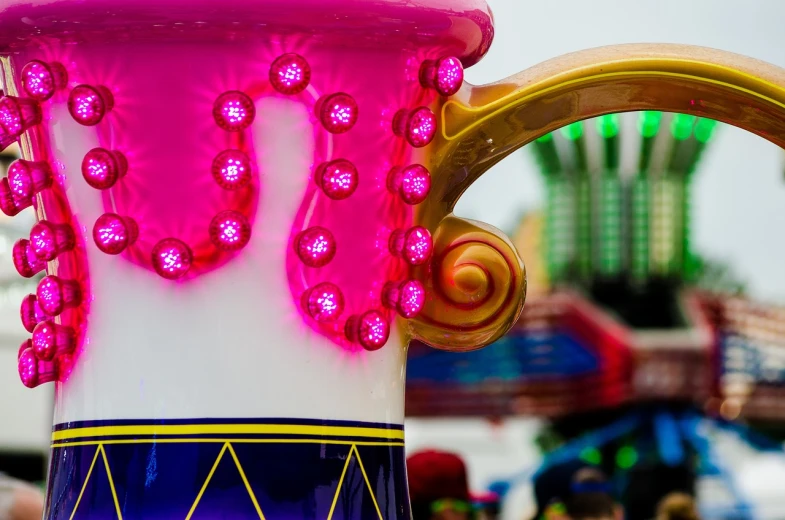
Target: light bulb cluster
[(45, 356), (323, 301)]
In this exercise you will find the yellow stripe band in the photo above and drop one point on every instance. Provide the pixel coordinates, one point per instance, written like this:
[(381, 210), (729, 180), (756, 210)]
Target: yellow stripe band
[(227, 429)]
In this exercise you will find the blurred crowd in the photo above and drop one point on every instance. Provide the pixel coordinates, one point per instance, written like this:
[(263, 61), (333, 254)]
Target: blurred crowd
[(439, 490)]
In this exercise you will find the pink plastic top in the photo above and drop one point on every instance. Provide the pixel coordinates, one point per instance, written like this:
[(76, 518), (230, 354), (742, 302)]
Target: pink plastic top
[(463, 27)]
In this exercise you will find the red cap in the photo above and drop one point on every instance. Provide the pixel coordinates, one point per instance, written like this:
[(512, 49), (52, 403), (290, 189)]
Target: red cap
[(435, 475)]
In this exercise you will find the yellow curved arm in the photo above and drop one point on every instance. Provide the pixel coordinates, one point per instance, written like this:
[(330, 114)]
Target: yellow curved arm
[(481, 125)]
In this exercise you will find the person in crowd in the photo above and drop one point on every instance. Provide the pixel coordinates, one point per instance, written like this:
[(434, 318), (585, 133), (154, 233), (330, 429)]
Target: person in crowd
[(486, 505), (438, 486), (677, 506), (19, 500), (551, 486), (591, 498)]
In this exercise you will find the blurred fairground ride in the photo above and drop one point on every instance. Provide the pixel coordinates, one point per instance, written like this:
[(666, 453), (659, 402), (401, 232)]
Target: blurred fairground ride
[(631, 344)]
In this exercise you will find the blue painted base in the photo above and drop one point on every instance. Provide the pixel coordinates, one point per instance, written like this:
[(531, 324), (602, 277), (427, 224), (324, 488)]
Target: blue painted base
[(227, 469)]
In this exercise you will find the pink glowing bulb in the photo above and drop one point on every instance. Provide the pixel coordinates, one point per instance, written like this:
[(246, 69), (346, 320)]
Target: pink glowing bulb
[(50, 339), (234, 111), (417, 126), (8, 203), (415, 245), (56, 294), (26, 261), (31, 312), (230, 230), (27, 178), (337, 112), (445, 75), (113, 234), (172, 258), (371, 330), (49, 240), (33, 372), (16, 116), (290, 74), (27, 364), (412, 183), (101, 168), (41, 80), (315, 246), (338, 179), (407, 297), (232, 169), (88, 105), (323, 302)]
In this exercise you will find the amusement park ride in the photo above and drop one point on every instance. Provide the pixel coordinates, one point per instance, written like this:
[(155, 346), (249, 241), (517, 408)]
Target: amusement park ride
[(621, 309), (245, 216)]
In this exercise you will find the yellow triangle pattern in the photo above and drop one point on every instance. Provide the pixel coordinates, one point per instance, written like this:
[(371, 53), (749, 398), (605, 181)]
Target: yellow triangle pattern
[(227, 447), (99, 450), (353, 452)]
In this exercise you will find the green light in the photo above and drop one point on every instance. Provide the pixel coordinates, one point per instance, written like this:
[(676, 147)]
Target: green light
[(681, 126), (608, 125), (704, 130), (649, 123), (573, 131), (591, 455), (545, 138), (626, 457)]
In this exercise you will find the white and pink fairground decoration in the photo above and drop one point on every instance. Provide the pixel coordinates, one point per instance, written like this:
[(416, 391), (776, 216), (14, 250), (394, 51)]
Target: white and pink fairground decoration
[(245, 215), (227, 197)]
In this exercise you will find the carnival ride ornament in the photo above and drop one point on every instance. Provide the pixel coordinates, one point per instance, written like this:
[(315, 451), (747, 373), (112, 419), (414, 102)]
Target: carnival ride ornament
[(226, 322)]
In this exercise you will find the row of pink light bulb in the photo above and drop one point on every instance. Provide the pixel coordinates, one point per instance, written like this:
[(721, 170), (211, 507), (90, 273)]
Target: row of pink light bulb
[(52, 344), (338, 179)]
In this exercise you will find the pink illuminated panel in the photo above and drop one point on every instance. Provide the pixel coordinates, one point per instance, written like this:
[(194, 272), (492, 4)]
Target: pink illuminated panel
[(183, 172)]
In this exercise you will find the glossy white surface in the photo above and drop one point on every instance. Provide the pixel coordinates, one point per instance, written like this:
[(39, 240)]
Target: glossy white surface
[(232, 344)]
